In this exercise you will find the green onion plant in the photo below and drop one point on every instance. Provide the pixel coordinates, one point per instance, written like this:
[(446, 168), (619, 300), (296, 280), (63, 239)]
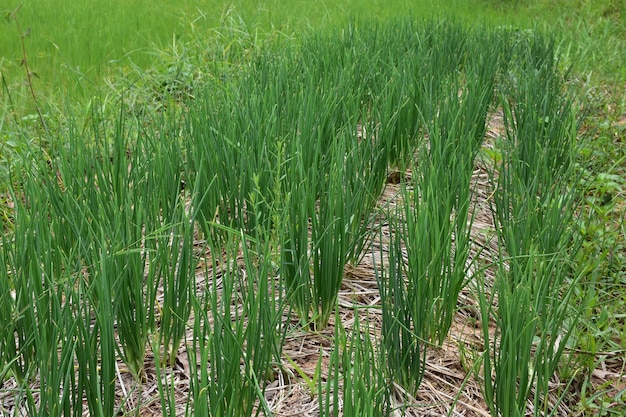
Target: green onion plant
[(534, 203), (236, 330), (366, 389)]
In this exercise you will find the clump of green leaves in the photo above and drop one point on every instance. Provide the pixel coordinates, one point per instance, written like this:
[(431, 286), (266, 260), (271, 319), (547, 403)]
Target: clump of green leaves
[(533, 209)]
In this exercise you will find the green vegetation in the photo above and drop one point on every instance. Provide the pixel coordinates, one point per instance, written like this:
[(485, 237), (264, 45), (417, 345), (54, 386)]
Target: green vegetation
[(189, 191), (533, 199)]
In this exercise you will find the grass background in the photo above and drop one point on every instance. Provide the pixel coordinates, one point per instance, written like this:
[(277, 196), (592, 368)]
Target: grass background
[(73, 46)]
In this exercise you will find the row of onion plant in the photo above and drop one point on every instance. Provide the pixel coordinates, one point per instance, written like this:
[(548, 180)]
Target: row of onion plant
[(429, 254), (534, 203), (98, 230)]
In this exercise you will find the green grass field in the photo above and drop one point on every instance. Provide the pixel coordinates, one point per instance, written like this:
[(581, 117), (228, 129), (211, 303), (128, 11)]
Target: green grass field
[(73, 47), (321, 208)]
